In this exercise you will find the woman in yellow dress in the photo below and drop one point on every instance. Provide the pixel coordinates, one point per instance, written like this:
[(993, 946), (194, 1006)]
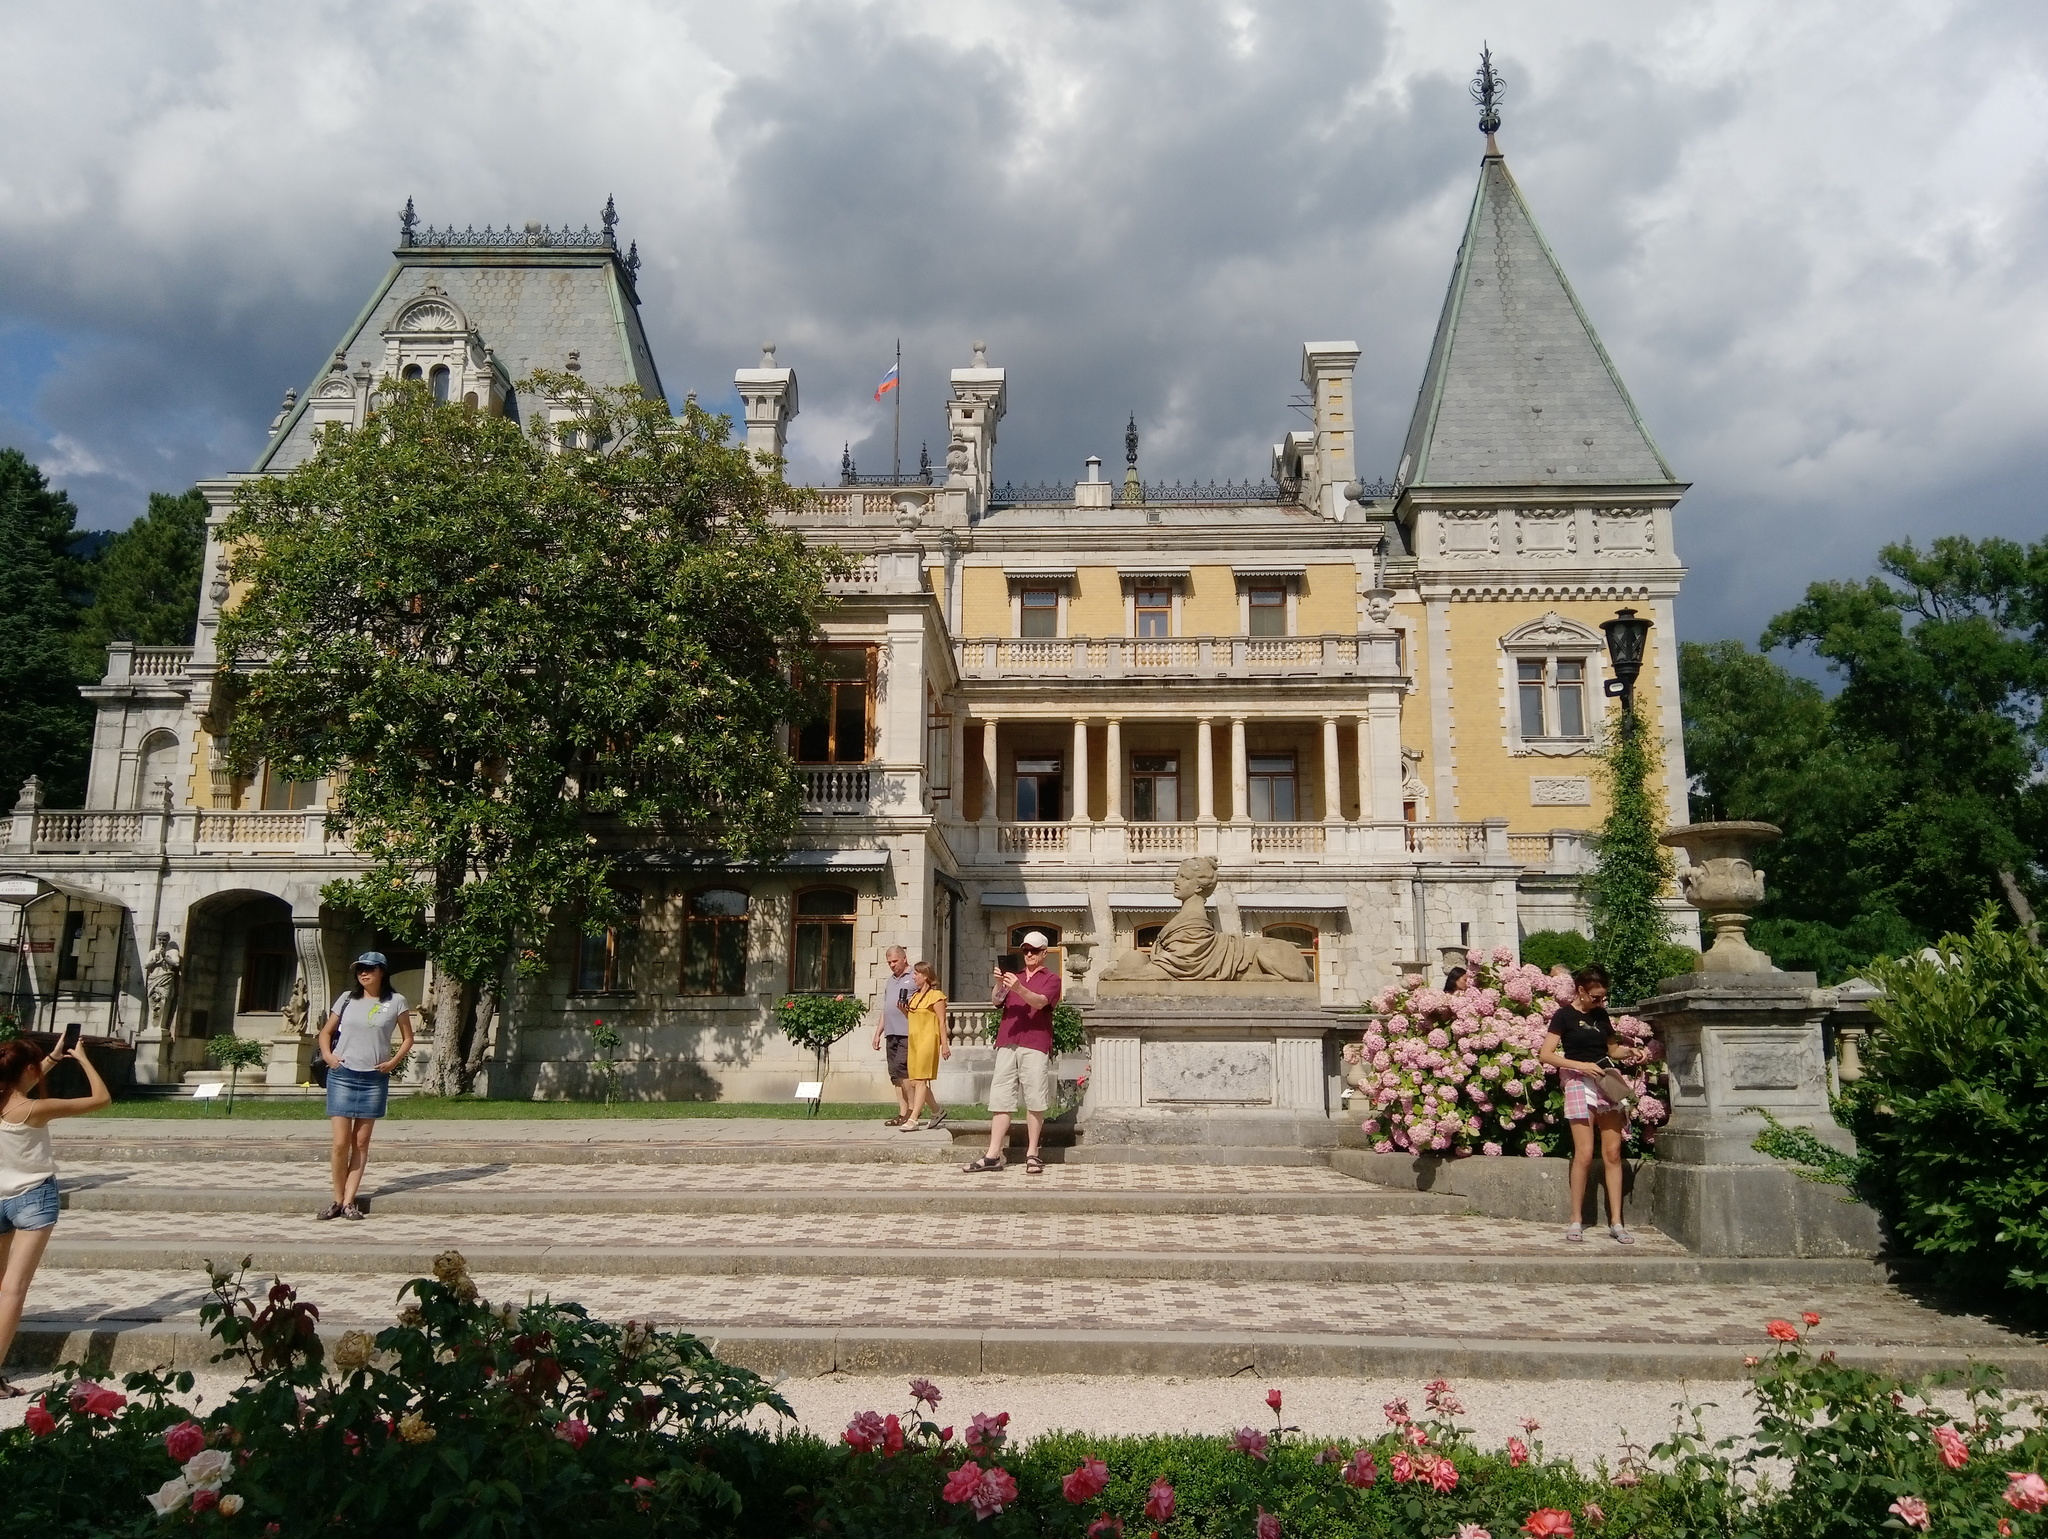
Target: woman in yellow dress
[(927, 1011)]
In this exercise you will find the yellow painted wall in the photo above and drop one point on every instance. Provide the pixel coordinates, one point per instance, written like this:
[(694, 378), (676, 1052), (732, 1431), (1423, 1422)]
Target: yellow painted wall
[(1415, 717), (1210, 608), (1329, 601), (936, 576), (1493, 782), (1095, 603), (984, 602)]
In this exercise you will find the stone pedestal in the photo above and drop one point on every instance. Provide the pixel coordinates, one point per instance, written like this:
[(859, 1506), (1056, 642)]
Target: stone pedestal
[(1738, 1044), (1209, 1068), (290, 1061)]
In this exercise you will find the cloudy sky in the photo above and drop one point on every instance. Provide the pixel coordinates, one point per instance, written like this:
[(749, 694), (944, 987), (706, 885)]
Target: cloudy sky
[(1802, 230)]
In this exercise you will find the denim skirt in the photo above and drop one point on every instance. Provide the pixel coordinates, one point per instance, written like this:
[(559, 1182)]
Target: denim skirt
[(357, 1093)]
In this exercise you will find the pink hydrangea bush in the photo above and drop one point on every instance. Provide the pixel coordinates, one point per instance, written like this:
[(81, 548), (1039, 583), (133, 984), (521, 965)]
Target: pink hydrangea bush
[(1456, 1074)]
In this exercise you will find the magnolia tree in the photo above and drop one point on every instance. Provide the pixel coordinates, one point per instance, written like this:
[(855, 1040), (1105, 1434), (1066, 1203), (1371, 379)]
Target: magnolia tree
[(1455, 1074)]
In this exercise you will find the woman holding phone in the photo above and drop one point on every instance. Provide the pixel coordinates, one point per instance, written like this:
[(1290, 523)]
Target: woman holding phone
[(1581, 1045), (355, 1044), (28, 1168)]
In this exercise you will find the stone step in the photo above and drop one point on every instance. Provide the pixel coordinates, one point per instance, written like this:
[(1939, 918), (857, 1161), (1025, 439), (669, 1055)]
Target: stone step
[(109, 1349), (909, 1149)]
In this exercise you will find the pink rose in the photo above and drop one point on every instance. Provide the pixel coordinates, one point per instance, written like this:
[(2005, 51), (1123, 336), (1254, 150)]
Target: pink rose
[(184, 1440), (574, 1431), (1911, 1511), (2028, 1492), (1268, 1526), (864, 1433), (924, 1390), (204, 1500), (1361, 1471), (985, 1433), (1249, 1440), (1108, 1526), (987, 1491), (1955, 1453), (1087, 1482), (1402, 1468), (1396, 1411), (1518, 1453), (1159, 1503)]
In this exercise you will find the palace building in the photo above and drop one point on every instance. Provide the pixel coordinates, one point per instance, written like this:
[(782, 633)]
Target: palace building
[(1377, 704)]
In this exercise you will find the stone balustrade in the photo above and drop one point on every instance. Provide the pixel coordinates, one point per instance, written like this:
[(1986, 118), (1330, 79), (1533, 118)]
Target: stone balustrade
[(1561, 851), (1134, 657), (188, 830)]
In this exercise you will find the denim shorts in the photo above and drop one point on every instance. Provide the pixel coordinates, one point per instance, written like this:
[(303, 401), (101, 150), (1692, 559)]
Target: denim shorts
[(35, 1208)]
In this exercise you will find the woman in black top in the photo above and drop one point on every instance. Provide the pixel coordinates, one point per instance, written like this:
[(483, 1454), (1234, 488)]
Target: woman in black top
[(1580, 1046)]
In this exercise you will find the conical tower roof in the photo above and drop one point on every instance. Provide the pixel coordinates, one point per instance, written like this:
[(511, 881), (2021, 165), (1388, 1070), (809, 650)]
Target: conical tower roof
[(1519, 389)]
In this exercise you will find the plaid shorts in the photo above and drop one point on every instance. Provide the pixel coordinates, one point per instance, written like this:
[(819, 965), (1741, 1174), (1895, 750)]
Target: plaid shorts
[(1582, 1097)]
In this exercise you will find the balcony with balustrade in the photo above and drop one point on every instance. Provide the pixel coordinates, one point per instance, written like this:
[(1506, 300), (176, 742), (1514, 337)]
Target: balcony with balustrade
[(154, 832), (1160, 846), (1136, 659)]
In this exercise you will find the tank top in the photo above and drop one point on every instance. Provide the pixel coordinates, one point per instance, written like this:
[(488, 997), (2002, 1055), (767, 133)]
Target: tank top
[(27, 1158)]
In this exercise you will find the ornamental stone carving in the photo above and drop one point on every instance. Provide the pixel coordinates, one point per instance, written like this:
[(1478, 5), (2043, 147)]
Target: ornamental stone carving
[(1723, 883), (1191, 950), (1560, 791)]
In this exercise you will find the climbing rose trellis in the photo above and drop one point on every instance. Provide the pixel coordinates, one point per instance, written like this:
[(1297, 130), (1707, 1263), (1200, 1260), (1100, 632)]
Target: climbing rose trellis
[(1454, 1074)]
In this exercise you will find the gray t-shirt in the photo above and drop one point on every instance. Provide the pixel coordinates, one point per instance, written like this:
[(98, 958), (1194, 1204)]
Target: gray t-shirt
[(363, 1040), (896, 996)]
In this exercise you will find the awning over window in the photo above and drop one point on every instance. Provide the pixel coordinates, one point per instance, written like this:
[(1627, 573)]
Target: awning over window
[(1036, 902), (1295, 902), (1147, 902)]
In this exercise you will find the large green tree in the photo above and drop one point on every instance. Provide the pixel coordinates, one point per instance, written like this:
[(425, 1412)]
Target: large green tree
[(1916, 793), (45, 727), (517, 646), (145, 580)]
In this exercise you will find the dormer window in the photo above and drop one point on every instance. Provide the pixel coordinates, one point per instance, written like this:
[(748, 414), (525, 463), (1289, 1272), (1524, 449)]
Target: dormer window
[(412, 372), (437, 382)]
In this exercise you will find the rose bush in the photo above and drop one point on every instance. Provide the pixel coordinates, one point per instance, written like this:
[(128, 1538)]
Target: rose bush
[(1454, 1074), (469, 1419)]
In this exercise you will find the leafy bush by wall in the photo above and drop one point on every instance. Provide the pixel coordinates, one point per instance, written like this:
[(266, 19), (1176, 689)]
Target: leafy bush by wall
[(1547, 948), (1951, 1115)]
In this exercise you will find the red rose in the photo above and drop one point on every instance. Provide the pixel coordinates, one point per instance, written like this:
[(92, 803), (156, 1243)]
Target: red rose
[(1273, 1400), (1159, 1503), (39, 1421), (1548, 1523), (1811, 1319), (1361, 1471), (104, 1402), (1782, 1330), (184, 1440)]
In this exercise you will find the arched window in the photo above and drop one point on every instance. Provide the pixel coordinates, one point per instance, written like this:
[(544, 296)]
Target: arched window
[(1302, 938), (410, 371), (437, 381), (821, 953), (715, 942)]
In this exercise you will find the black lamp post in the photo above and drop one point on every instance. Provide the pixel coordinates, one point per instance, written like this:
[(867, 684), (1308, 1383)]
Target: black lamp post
[(1625, 637)]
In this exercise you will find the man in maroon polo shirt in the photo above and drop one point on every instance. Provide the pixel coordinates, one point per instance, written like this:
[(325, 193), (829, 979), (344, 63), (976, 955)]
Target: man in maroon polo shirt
[(1023, 1055)]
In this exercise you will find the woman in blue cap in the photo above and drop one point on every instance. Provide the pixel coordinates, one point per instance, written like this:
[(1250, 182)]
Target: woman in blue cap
[(355, 1043)]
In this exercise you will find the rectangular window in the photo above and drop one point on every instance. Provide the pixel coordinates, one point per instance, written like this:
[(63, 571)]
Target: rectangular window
[(1529, 681), (1038, 612), (269, 963), (597, 962), (1271, 788), (821, 953), (1269, 610), (1571, 697), (1038, 791), (1152, 609), (282, 795), (715, 942), (840, 734), (1155, 788)]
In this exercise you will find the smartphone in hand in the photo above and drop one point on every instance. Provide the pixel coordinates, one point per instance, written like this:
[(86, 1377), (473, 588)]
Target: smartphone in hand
[(1010, 962), (71, 1035)]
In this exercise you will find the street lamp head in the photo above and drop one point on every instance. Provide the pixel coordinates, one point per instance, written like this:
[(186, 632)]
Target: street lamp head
[(1626, 634)]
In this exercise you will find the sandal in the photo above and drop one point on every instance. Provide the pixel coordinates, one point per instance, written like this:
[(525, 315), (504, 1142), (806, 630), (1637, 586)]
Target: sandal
[(913, 1127), (1576, 1233), (986, 1162), (11, 1391), (1034, 1165), (1621, 1235), (894, 1122), (332, 1210), (354, 1212), (937, 1122)]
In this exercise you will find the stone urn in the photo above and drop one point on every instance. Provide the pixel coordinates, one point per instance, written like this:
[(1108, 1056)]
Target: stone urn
[(1724, 884)]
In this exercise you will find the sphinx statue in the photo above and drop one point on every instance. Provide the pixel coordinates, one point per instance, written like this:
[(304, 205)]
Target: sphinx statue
[(1191, 950)]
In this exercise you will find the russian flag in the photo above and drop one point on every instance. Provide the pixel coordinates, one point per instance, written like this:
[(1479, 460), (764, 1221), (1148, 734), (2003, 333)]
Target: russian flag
[(888, 382)]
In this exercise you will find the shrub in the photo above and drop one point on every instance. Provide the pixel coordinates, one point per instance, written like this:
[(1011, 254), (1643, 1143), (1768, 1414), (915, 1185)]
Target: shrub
[(1458, 1073), (470, 1420), (1951, 1115), (816, 1021), (1545, 949), (1069, 1029)]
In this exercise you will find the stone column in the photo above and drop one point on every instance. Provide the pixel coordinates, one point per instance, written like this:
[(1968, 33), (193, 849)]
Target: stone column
[(1205, 773), (956, 772), (1240, 774), (1113, 771), (989, 778), (1366, 813), (1333, 774), (1078, 813)]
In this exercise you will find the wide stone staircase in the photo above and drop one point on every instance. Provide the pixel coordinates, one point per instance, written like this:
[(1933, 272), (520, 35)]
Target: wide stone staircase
[(818, 1247)]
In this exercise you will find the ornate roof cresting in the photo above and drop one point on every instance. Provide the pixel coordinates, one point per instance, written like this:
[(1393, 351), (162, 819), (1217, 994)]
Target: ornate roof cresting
[(1487, 91), (412, 233)]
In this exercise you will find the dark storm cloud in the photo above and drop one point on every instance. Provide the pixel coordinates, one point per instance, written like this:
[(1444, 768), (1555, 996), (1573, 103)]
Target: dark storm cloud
[(1805, 233)]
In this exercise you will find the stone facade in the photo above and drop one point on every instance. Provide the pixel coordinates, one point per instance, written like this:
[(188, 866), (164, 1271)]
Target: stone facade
[(1374, 705)]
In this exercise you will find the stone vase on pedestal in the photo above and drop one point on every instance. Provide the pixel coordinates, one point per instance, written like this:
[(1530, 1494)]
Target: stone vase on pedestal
[(1741, 1038)]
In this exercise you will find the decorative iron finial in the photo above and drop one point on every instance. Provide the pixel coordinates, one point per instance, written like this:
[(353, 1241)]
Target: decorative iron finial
[(846, 464), (1487, 92), (406, 220), (633, 261), (1131, 440), (924, 463), (611, 221)]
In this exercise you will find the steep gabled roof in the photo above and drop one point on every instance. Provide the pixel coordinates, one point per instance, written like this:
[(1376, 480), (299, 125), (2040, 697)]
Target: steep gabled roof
[(531, 304), (1517, 381)]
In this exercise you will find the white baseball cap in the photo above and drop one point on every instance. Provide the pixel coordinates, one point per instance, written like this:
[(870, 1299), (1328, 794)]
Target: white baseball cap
[(1036, 940)]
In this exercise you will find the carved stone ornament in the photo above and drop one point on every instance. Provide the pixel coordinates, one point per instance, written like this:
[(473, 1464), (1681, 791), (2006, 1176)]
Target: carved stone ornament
[(1723, 883), (1189, 949), (161, 970), (1547, 534), (1552, 630), (1560, 791), (430, 315), (1624, 534), (1467, 532)]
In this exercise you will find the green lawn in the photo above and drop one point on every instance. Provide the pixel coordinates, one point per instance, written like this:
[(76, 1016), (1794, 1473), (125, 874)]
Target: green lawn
[(442, 1108)]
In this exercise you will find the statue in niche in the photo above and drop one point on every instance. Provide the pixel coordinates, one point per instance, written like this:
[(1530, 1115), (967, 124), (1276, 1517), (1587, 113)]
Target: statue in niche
[(160, 972), (1191, 950), (297, 1010)]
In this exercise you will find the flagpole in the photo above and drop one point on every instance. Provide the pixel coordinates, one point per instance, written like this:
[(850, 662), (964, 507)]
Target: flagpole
[(896, 454)]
